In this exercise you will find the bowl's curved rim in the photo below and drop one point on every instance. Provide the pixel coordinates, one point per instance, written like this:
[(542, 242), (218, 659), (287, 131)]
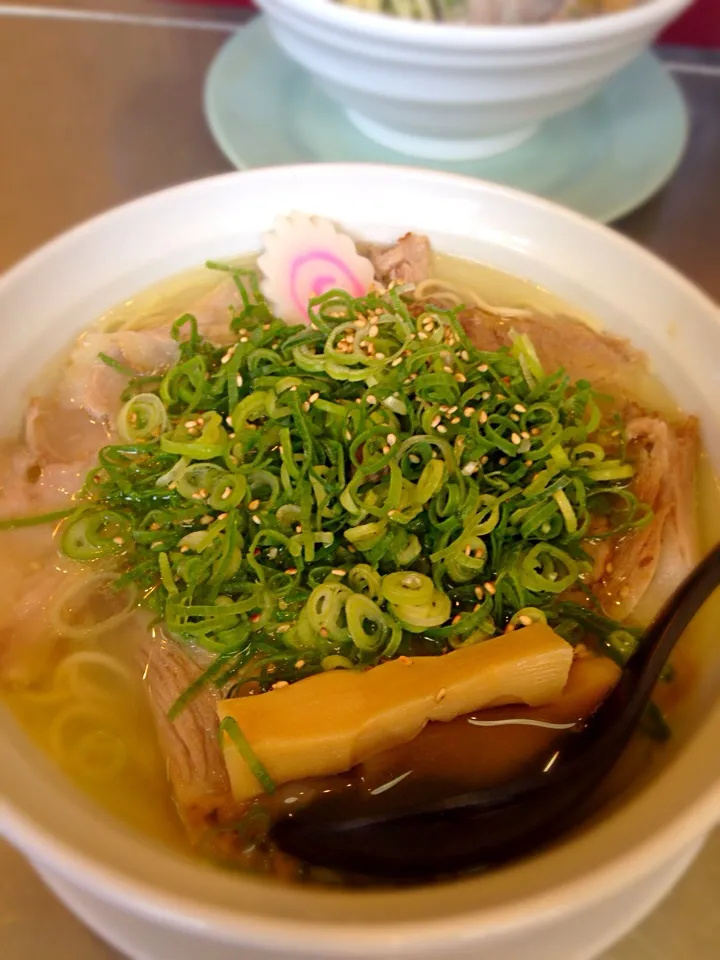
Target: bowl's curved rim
[(113, 884), (537, 35)]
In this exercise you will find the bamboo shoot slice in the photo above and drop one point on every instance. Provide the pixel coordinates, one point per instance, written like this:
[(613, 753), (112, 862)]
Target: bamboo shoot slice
[(328, 723)]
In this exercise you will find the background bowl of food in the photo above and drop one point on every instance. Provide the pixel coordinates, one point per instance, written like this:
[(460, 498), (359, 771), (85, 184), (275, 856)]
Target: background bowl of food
[(478, 81), (139, 613)]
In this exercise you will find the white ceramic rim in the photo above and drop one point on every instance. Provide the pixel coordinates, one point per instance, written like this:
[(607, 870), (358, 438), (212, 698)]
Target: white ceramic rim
[(529, 36), (357, 938)]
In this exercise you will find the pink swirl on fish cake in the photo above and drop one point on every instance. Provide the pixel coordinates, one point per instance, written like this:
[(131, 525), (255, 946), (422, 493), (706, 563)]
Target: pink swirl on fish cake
[(302, 288)]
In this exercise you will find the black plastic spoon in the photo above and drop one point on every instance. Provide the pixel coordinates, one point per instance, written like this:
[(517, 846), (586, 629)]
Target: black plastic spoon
[(493, 825)]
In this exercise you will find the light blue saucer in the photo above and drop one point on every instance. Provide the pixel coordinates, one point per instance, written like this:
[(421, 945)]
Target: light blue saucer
[(603, 159)]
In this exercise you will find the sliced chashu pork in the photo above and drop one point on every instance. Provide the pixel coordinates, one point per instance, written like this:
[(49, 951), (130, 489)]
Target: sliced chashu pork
[(30, 579), (406, 261), (195, 764), (91, 384), (608, 362), (643, 568)]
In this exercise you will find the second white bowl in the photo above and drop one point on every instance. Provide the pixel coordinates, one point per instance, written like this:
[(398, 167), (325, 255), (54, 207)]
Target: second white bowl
[(454, 92)]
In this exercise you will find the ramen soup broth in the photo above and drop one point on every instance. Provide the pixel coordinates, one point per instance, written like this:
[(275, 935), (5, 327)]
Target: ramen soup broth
[(74, 651)]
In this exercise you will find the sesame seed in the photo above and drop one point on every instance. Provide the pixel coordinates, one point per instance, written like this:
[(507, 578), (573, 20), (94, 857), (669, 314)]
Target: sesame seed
[(189, 424), (535, 431), (391, 439), (468, 411), (500, 396), (441, 429), (455, 420), (293, 388), (524, 620), (272, 668), (490, 587), (422, 336), (370, 399), (456, 619), (206, 519), (226, 358), (514, 417), (339, 573), (515, 437), (291, 571), (253, 505), (256, 519), (460, 377), (470, 468), (154, 526), (520, 408), (280, 685), (441, 694), (435, 421), (374, 330), (483, 368), (222, 516), (323, 632), (239, 380), (465, 356), (503, 461), (158, 543), (452, 409), (396, 362), (298, 528), (313, 397), (379, 356), (306, 406), (447, 368), (243, 339), (199, 495), (483, 417), (405, 660), (119, 541), (524, 434), (300, 664), (509, 628)]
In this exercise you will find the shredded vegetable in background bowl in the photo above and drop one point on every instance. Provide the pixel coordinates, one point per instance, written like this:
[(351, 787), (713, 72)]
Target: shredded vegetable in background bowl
[(369, 486), (493, 11)]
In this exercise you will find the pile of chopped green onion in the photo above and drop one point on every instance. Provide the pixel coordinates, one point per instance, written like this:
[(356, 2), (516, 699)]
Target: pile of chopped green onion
[(369, 486)]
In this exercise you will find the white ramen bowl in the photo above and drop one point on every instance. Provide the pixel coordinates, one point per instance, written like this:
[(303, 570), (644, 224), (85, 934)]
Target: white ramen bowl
[(454, 92), (570, 901)]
